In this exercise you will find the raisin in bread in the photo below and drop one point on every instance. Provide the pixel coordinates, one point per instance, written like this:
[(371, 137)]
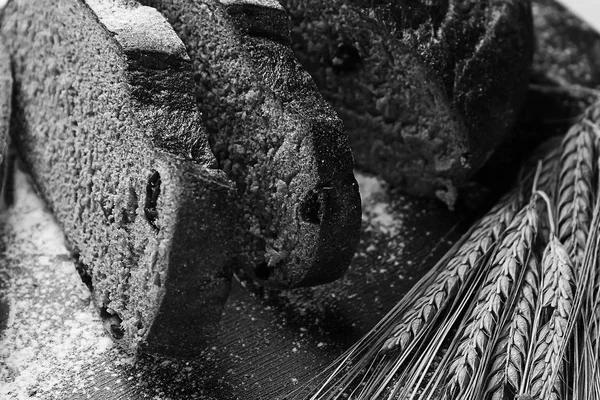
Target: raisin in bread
[(107, 124), (426, 89), (275, 137)]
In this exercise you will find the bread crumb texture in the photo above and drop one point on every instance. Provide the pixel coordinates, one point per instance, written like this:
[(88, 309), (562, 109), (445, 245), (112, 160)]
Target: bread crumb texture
[(108, 128), (53, 345)]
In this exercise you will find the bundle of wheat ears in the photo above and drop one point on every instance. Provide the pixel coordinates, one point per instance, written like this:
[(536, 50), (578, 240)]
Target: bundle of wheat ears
[(512, 311)]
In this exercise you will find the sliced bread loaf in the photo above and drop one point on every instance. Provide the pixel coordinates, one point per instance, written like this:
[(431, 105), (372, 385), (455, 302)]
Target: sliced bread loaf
[(426, 89), (107, 124), (275, 137)]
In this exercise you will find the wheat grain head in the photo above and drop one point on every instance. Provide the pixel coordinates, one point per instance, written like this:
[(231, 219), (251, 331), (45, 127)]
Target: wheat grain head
[(505, 267), (552, 315), (510, 352), (575, 189)]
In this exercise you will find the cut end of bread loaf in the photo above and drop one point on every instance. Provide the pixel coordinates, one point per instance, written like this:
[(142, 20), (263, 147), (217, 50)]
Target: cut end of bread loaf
[(188, 260), (275, 138), (106, 123), (323, 229)]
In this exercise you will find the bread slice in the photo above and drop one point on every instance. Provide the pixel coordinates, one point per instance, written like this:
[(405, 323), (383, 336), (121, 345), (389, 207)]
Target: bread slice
[(5, 109), (275, 137), (107, 124), (426, 89)]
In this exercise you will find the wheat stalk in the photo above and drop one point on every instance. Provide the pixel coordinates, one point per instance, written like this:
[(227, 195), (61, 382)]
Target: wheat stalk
[(549, 155), (587, 385), (585, 348), (510, 353), (505, 269), (575, 194), (450, 279), (587, 315), (552, 315), (591, 120)]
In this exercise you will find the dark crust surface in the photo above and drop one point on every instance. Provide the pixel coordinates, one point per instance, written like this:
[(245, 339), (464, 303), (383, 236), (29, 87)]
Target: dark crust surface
[(275, 137), (106, 123), (436, 86)]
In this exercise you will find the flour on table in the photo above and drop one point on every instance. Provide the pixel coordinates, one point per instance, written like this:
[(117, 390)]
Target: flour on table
[(52, 331), (376, 207)]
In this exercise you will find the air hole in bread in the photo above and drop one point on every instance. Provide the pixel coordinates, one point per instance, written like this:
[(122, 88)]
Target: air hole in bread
[(465, 157), (310, 208), (152, 193), (112, 323), (262, 271), (346, 59)]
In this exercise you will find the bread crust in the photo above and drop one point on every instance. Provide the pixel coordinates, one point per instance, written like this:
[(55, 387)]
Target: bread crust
[(427, 90), (275, 137), (107, 125)]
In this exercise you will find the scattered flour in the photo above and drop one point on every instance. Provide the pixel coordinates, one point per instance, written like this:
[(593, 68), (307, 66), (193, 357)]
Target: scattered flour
[(376, 208), (52, 331)]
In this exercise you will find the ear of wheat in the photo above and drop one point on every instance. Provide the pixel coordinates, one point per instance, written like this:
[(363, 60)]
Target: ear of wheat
[(510, 352), (552, 316), (575, 194), (587, 364), (506, 265)]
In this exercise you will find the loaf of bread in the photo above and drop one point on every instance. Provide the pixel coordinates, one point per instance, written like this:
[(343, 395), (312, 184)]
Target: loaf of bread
[(275, 137), (5, 107), (426, 89), (107, 124)]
